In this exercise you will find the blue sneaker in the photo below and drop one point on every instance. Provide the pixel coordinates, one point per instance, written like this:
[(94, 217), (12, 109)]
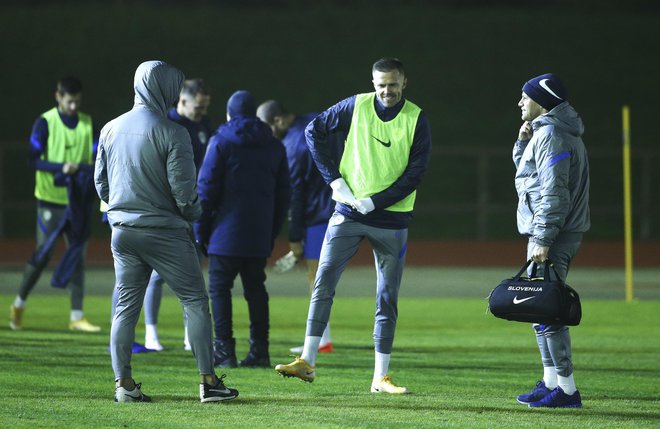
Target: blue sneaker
[(137, 348), (538, 393), (558, 399)]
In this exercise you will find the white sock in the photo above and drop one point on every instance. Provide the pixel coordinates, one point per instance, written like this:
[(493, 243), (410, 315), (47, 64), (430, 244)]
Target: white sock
[(325, 339), (381, 366), (567, 384), (150, 334), (186, 341), (18, 302), (311, 349), (550, 377), (76, 315)]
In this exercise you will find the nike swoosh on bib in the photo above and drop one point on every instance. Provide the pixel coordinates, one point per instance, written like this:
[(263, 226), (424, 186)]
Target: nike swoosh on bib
[(386, 144), (518, 301)]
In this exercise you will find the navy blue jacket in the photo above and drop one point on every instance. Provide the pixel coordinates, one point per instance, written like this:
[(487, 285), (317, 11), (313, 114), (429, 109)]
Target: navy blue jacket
[(76, 223), (199, 134), (244, 190), (337, 119), (311, 197)]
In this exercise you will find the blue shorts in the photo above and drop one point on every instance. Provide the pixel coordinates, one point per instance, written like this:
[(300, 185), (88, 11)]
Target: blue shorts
[(314, 240)]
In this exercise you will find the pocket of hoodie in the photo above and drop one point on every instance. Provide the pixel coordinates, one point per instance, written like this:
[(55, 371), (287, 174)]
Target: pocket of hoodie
[(525, 208)]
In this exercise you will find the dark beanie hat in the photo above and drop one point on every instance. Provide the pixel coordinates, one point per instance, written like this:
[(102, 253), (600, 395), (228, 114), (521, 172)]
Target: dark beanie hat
[(241, 103), (547, 90)]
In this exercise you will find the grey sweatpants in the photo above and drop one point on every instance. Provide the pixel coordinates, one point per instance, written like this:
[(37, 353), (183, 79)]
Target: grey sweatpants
[(554, 341), (342, 240), (139, 251)]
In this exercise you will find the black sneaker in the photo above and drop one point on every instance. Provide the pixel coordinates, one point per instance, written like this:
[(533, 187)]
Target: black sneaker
[(254, 361), (219, 392), (135, 395)]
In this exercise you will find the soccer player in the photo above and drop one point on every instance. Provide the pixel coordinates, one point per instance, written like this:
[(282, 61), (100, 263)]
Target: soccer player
[(146, 174), (385, 155), (552, 180), (311, 198), (61, 144)]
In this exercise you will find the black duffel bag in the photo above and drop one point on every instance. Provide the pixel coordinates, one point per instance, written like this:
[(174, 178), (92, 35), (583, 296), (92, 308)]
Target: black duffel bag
[(536, 299)]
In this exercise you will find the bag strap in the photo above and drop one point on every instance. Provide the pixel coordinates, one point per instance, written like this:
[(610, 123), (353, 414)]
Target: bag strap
[(546, 271), (548, 265), (522, 270)]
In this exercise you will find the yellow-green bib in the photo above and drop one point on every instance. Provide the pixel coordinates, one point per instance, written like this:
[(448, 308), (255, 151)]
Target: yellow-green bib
[(64, 145), (376, 152)]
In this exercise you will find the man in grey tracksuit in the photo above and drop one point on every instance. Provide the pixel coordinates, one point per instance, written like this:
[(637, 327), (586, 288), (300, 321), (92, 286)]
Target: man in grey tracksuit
[(146, 174), (552, 180)]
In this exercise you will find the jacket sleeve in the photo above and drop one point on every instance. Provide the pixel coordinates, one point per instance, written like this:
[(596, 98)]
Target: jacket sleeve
[(38, 146), (95, 147), (282, 193), (298, 164), (553, 161), (518, 149), (335, 120), (209, 185), (101, 174), (181, 175), (420, 153)]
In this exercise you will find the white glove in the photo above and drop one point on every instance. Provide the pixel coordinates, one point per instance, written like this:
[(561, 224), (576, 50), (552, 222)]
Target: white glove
[(364, 205), (285, 263), (341, 192)]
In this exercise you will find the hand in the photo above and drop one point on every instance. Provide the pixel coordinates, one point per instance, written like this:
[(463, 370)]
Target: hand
[(364, 205), (341, 192), (540, 253), (285, 263), (297, 248), (69, 168), (525, 132)]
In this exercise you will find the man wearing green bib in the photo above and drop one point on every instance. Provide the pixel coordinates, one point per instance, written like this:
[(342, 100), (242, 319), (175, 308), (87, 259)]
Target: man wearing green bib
[(62, 144), (373, 177)]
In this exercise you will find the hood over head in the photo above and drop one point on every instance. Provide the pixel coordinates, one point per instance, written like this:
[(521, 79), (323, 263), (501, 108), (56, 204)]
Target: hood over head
[(157, 85), (241, 103)]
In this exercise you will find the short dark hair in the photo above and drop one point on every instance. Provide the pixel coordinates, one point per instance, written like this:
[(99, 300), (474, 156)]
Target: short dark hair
[(69, 85), (193, 87), (387, 65), (270, 109)]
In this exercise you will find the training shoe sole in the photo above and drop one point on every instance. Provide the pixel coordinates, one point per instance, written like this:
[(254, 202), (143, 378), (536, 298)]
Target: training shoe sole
[(219, 398), (307, 379)]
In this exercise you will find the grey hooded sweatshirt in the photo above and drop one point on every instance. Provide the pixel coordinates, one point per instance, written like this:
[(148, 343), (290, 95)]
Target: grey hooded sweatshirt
[(552, 178), (144, 165)]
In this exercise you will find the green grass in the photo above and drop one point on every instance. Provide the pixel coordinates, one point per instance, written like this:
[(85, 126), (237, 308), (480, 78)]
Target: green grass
[(464, 366)]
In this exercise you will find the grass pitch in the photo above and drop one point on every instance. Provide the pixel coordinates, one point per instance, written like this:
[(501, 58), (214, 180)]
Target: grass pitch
[(463, 366)]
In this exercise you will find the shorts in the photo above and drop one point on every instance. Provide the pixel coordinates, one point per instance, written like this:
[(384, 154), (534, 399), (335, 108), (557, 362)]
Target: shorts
[(314, 236)]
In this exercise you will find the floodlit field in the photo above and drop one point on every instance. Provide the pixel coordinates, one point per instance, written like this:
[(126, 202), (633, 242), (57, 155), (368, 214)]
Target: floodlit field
[(464, 366)]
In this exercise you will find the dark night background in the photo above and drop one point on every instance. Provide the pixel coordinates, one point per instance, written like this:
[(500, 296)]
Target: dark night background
[(466, 62)]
